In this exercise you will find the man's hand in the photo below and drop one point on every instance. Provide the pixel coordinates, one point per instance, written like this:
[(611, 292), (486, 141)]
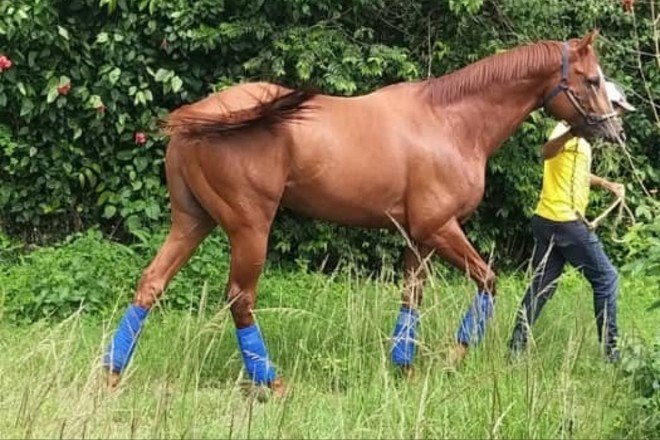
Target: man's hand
[(615, 188), (618, 189)]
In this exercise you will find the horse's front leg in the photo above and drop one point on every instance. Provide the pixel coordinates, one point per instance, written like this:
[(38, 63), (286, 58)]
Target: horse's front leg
[(403, 339), (248, 255), (451, 244)]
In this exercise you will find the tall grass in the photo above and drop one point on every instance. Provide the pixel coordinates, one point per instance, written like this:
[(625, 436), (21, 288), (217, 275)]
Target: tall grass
[(329, 338)]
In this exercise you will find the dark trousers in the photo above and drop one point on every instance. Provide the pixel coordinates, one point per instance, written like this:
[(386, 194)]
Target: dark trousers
[(556, 244)]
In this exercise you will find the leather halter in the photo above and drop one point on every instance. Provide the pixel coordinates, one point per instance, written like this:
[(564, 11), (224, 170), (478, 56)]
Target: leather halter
[(590, 118)]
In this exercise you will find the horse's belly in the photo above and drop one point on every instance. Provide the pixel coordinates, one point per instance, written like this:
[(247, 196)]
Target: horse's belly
[(355, 209)]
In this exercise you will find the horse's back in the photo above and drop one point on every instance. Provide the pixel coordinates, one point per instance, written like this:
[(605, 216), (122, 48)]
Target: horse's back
[(238, 98)]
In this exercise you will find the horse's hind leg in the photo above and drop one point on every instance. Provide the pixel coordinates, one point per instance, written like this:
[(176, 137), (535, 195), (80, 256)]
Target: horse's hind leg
[(248, 255), (190, 225), (415, 272)]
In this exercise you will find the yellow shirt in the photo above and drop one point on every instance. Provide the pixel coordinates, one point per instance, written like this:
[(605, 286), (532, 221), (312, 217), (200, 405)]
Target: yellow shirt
[(566, 180)]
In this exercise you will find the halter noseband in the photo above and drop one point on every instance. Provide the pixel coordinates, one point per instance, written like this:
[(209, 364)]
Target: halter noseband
[(590, 118)]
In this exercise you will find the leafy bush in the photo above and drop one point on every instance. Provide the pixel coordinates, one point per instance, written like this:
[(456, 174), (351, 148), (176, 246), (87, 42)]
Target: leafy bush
[(79, 145), (642, 364), (643, 245), (89, 272)]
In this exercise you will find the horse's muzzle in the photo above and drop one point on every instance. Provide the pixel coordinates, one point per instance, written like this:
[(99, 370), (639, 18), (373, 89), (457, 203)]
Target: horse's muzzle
[(610, 129)]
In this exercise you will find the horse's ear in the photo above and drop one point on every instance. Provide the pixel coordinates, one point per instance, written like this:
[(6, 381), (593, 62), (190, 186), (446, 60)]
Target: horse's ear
[(588, 40)]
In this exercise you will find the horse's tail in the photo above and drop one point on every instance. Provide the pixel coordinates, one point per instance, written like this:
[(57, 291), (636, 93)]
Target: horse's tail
[(189, 122)]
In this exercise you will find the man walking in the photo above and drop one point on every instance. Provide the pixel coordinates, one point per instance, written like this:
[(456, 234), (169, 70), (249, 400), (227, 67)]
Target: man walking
[(562, 236)]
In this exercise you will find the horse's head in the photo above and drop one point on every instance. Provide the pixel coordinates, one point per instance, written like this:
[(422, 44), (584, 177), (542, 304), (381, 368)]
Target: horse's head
[(579, 96)]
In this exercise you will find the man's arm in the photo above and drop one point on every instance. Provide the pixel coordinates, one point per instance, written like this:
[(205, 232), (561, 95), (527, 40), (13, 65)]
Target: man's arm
[(554, 146), (615, 188)]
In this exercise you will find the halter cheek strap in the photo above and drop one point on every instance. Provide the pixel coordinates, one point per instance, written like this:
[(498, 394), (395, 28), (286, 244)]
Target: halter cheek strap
[(563, 84)]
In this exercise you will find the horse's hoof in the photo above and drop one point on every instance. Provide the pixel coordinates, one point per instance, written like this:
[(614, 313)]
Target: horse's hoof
[(457, 355), (112, 379), (278, 388), (251, 390), (408, 371)]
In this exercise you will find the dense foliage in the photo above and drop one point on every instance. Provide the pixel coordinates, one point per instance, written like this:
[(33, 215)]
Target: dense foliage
[(642, 363), (83, 82)]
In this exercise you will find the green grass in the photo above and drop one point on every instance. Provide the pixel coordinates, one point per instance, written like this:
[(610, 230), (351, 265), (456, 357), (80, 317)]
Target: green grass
[(328, 336)]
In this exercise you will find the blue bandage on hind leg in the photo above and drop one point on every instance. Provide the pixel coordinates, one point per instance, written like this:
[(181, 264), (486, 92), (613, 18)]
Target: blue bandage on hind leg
[(403, 347), (473, 325), (123, 343), (255, 355)]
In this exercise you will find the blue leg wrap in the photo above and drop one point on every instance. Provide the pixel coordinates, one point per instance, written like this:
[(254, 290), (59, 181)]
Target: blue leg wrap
[(473, 325), (403, 347), (255, 355), (122, 345)]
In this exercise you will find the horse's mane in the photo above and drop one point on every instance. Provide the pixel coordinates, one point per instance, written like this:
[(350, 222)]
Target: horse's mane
[(267, 113), (515, 63), (270, 112)]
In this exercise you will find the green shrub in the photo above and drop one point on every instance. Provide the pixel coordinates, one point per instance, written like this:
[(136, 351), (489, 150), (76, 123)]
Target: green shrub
[(87, 76), (89, 272), (641, 362)]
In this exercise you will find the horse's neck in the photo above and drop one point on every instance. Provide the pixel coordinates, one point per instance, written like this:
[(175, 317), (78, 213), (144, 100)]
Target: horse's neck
[(490, 118)]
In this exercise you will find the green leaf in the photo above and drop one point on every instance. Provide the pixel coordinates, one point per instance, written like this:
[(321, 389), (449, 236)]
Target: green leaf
[(94, 101), (133, 223), (102, 38), (52, 95), (125, 155), (109, 211), (31, 57), (114, 75), (103, 198), (152, 211), (162, 74), (26, 106), (141, 164), (63, 32), (177, 83)]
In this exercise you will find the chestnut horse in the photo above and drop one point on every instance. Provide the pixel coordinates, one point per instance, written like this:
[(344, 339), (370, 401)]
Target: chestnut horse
[(410, 156)]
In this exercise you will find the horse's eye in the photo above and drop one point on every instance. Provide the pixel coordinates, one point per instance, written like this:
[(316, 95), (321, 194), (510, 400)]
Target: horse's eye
[(593, 81)]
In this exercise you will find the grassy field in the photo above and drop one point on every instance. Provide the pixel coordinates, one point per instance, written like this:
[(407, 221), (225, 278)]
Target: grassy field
[(329, 338)]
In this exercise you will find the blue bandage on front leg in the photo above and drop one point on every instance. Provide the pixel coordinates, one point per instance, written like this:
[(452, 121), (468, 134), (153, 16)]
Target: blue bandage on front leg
[(403, 347), (473, 325), (255, 355), (121, 347)]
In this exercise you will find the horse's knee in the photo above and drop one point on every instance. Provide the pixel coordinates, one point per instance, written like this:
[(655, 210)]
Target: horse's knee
[(149, 290)]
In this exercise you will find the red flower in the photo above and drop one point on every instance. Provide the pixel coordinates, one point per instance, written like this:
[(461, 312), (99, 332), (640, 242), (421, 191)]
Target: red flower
[(5, 63), (140, 138), (628, 5), (64, 89)]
